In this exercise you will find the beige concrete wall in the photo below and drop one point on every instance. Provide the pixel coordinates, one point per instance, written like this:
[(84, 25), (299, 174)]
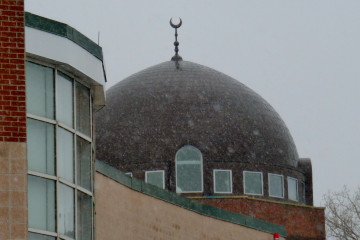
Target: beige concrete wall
[(13, 191), (125, 214)]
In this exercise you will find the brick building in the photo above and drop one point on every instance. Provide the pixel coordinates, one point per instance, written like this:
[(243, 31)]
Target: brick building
[(51, 86)]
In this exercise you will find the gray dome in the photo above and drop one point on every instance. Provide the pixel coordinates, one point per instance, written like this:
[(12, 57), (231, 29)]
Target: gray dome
[(153, 113)]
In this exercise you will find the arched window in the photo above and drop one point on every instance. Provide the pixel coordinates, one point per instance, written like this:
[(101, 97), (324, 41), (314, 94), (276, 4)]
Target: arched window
[(189, 170)]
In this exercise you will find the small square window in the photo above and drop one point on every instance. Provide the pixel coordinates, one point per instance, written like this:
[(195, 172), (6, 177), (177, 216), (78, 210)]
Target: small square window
[(155, 178), (293, 189), (253, 183), (222, 181), (276, 185)]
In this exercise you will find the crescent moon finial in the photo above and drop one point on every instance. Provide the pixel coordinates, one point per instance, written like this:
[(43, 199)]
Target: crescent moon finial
[(175, 25), (176, 57)]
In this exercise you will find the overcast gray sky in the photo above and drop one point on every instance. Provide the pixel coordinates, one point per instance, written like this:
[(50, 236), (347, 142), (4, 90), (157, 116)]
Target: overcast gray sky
[(302, 56)]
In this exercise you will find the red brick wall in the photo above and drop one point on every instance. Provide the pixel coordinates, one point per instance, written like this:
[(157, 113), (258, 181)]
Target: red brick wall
[(12, 71), (301, 222)]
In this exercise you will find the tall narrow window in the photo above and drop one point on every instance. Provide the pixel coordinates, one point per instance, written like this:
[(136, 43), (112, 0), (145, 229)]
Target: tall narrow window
[(303, 193), (59, 155), (222, 181), (189, 170), (65, 99), (40, 97), (276, 185), (83, 109), (155, 178), (253, 183), (293, 189)]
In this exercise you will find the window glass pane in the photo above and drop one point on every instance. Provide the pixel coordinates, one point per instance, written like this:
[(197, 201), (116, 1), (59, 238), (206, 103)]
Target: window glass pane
[(189, 178), (253, 183), (223, 183), (188, 153), (35, 236), (292, 189), (82, 109), (66, 210), (276, 185), (155, 178), (84, 218), (64, 103), (189, 170), (65, 154), (39, 90), (41, 203), (41, 146), (303, 196), (83, 155)]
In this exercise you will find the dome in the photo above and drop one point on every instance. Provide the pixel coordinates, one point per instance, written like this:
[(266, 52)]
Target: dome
[(153, 113)]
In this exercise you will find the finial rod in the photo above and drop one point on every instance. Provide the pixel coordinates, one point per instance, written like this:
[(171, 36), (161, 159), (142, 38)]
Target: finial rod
[(176, 57)]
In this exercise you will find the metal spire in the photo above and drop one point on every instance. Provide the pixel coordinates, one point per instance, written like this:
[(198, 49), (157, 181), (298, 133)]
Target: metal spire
[(176, 57)]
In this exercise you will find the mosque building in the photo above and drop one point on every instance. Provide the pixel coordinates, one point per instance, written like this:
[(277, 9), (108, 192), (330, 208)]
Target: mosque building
[(197, 132), (176, 151)]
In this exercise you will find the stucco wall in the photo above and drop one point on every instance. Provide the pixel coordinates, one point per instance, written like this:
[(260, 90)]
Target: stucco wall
[(123, 213)]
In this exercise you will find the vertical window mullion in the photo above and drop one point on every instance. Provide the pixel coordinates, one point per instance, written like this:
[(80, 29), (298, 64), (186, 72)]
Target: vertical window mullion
[(56, 151), (75, 158)]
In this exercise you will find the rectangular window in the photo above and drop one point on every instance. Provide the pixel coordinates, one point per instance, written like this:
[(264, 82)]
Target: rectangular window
[(222, 181), (129, 174), (66, 211), (41, 146), (155, 178), (41, 203), (40, 90), (253, 183), (65, 100), (293, 189), (83, 163), (276, 185), (83, 109), (84, 216), (189, 177), (65, 154)]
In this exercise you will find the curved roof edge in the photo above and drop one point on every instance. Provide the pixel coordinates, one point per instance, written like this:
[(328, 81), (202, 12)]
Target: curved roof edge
[(63, 30), (187, 203)]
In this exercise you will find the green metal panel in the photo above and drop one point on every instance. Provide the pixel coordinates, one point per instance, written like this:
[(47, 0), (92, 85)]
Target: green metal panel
[(63, 30)]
